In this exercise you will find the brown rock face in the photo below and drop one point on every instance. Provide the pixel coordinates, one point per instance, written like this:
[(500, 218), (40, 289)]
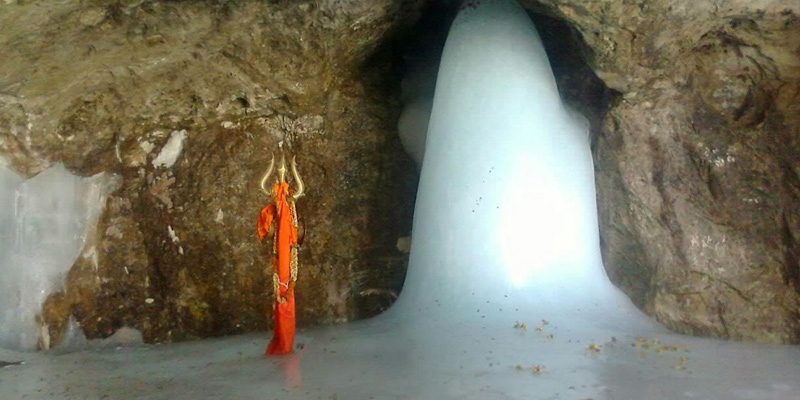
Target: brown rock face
[(186, 102), (697, 160), (697, 137)]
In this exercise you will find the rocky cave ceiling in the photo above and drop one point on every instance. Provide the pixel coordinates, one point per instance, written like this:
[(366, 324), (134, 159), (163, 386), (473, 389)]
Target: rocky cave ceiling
[(695, 110)]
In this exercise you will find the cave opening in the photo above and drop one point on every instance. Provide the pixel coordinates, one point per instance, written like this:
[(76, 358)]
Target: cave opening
[(416, 51), (416, 54)]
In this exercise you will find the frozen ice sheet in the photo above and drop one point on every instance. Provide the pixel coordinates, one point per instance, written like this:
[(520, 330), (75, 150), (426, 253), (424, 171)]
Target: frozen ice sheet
[(431, 359)]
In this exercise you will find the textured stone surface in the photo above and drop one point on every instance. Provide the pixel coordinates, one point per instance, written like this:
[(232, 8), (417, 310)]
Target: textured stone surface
[(695, 147), (186, 101), (697, 170)]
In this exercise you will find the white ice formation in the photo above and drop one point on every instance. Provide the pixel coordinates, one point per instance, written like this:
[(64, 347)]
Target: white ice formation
[(44, 222), (506, 201), (171, 151)]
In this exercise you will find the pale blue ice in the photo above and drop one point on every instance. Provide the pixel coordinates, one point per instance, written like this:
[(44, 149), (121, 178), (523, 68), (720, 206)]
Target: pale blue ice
[(44, 222)]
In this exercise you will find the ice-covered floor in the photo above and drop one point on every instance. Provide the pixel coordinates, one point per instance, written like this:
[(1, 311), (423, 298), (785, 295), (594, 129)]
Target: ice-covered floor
[(385, 358), (505, 297)]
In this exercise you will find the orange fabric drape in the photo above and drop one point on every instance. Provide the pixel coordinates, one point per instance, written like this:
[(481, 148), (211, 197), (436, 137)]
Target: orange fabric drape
[(285, 238)]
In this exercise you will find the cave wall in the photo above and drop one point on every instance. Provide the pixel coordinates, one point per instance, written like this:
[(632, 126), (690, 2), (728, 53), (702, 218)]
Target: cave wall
[(697, 159), (696, 137), (186, 102)]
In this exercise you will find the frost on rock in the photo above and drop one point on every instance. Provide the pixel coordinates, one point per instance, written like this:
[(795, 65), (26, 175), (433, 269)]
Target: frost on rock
[(44, 223), (170, 152)]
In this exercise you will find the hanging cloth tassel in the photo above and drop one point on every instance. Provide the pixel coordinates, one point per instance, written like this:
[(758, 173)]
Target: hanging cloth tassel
[(282, 212)]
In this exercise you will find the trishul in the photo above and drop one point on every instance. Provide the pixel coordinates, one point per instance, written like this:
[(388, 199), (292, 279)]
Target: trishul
[(281, 210), (299, 192)]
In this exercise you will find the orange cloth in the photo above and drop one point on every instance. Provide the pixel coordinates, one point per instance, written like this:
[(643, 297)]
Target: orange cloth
[(285, 237)]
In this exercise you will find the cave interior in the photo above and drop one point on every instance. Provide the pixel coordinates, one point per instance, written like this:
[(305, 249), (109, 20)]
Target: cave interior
[(504, 286)]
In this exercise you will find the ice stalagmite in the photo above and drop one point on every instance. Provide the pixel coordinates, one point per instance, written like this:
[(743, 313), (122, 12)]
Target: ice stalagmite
[(506, 207)]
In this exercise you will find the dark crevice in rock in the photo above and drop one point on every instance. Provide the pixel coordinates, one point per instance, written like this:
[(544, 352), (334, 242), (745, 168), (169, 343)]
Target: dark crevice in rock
[(726, 333), (791, 255), (4, 364), (667, 213), (704, 170), (579, 86)]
